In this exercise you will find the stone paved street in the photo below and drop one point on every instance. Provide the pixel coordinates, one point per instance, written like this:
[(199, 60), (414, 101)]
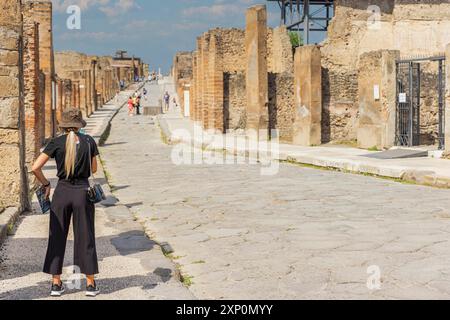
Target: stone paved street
[(302, 234)]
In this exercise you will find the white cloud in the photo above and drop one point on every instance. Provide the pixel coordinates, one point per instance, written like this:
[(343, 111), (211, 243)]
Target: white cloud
[(220, 8), (111, 8), (119, 7), (61, 5)]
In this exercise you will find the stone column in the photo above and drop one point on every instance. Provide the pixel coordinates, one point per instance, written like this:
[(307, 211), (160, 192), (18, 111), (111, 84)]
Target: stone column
[(377, 99), (33, 135), (60, 105), (194, 87), (205, 79), (215, 83), (307, 128), (68, 96), (94, 84), (83, 100), (42, 13), (88, 91), (13, 176), (447, 100), (256, 69), (199, 116)]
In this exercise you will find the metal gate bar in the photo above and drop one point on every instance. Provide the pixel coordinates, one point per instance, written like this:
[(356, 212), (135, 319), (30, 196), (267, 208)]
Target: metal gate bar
[(409, 100)]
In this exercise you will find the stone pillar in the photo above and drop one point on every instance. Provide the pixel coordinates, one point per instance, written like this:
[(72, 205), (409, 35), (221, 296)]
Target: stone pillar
[(377, 99), (60, 104), (447, 100), (307, 127), (215, 84), (88, 91), (13, 176), (94, 84), (256, 69), (204, 81), (194, 87), (42, 13), (200, 101), (33, 135), (83, 94), (68, 88)]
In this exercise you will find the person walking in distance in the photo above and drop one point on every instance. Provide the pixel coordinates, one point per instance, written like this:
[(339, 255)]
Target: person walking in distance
[(145, 94), (166, 101), (130, 106), (76, 160), (138, 104)]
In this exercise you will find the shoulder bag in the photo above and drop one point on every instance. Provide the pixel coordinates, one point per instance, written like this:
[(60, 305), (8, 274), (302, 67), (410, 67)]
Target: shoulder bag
[(95, 191)]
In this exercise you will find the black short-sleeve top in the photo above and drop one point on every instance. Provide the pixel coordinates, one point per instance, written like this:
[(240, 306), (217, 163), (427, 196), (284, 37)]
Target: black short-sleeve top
[(56, 149)]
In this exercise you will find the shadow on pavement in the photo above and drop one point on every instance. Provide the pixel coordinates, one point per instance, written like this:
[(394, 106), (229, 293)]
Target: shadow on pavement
[(107, 286)]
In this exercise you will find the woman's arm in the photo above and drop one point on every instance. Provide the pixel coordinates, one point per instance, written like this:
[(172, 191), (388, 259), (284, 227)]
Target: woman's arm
[(37, 170), (94, 165)]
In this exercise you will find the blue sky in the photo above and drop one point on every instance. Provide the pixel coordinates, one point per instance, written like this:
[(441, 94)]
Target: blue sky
[(151, 29)]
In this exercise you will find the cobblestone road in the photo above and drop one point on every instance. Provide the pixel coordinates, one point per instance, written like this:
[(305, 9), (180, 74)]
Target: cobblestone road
[(302, 234)]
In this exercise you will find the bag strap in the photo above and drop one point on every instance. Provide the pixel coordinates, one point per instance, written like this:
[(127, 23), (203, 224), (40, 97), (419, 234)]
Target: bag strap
[(91, 174)]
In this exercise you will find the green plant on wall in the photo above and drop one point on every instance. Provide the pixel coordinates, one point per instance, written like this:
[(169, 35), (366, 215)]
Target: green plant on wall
[(296, 39)]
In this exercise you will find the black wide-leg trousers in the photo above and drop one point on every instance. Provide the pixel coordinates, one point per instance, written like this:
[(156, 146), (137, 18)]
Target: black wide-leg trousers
[(70, 200)]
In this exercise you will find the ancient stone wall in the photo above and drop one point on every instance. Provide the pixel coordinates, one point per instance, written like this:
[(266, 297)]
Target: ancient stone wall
[(412, 27), (94, 79), (13, 182), (234, 101), (281, 104)]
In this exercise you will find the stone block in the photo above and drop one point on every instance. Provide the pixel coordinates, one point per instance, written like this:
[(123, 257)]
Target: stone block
[(9, 112), (9, 86)]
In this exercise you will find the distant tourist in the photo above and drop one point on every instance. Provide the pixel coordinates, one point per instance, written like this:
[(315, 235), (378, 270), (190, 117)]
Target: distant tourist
[(138, 104), (145, 94), (166, 101), (76, 159), (130, 106)]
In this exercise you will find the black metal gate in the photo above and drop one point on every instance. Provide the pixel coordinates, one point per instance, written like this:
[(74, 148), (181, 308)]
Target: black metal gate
[(409, 101)]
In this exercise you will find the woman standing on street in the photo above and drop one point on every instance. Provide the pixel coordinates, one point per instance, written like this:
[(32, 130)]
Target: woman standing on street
[(76, 159)]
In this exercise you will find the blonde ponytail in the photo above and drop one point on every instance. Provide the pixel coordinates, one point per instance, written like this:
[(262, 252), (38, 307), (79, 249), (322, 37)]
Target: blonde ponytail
[(71, 150)]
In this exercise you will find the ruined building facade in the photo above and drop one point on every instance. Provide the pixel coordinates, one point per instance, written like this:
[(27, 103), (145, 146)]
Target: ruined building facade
[(36, 85), (343, 90)]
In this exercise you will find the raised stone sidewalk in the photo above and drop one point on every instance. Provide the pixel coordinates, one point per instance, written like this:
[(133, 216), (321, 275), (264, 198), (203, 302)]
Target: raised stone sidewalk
[(132, 266), (425, 171)]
